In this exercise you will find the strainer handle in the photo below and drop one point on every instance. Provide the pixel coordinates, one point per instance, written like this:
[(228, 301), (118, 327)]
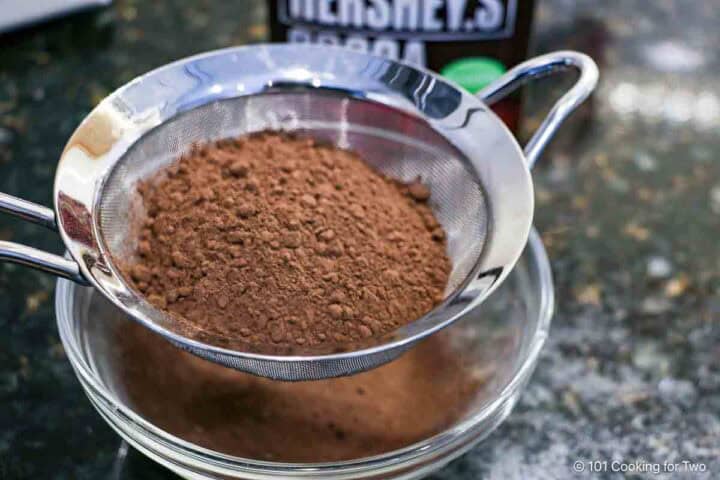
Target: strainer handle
[(539, 67), (32, 257)]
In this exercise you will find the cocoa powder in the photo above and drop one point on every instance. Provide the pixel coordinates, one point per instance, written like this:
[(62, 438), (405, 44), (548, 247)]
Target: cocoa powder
[(419, 395), (275, 243)]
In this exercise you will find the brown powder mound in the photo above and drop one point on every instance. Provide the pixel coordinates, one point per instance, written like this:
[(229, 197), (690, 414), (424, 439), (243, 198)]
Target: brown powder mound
[(408, 400), (274, 243)]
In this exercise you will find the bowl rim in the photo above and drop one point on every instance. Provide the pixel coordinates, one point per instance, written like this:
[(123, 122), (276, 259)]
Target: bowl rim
[(222, 463)]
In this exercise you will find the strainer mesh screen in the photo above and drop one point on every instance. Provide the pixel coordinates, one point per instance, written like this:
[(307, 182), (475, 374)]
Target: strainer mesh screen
[(395, 143)]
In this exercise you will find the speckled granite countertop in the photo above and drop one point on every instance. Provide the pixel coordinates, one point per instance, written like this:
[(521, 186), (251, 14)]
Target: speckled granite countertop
[(628, 201)]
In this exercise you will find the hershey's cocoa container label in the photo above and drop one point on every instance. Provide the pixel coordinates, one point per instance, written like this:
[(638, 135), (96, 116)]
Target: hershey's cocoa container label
[(470, 42), (415, 31)]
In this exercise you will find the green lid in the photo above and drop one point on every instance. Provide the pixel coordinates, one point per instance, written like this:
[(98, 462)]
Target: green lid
[(473, 73)]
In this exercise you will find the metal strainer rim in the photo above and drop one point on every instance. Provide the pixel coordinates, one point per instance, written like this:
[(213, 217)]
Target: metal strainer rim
[(132, 110), (460, 125)]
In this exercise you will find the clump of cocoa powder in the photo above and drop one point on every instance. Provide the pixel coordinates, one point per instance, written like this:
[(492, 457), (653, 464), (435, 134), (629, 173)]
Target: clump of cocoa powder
[(272, 242)]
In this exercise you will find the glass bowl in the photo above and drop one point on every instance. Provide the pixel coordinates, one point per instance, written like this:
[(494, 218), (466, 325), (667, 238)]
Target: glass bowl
[(500, 340)]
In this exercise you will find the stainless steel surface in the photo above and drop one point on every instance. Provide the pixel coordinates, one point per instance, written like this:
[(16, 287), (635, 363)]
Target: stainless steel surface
[(32, 257), (41, 260), (407, 121), (29, 211), (539, 67), (18, 13)]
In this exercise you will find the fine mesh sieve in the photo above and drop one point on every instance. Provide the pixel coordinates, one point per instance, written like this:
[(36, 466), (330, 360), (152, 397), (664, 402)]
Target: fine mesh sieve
[(404, 121)]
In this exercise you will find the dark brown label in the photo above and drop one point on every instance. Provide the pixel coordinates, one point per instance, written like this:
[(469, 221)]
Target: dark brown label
[(429, 33), (436, 20)]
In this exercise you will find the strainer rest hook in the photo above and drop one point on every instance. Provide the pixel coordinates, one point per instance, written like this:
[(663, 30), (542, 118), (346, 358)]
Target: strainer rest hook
[(539, 67)]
